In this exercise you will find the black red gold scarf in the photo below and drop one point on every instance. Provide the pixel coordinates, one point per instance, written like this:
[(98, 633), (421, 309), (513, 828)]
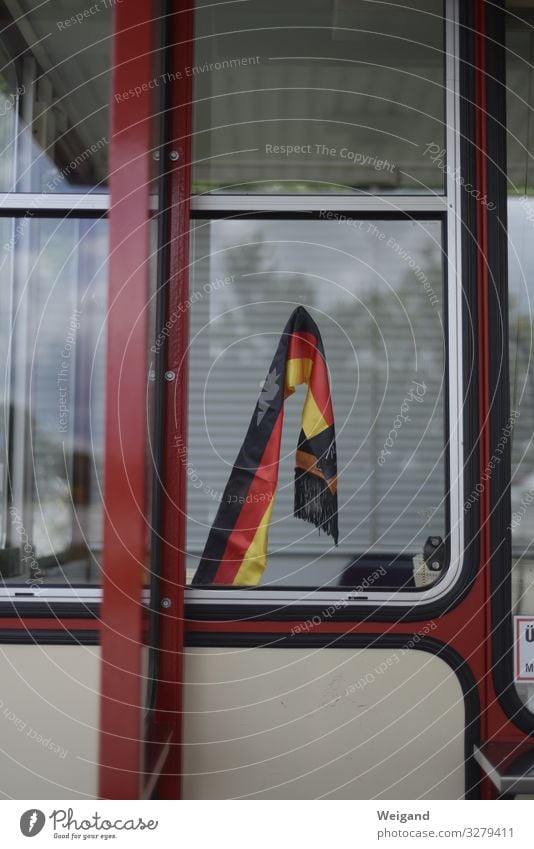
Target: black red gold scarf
[(236, 548)]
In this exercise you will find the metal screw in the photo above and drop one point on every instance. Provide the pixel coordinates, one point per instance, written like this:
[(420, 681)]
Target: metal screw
[(155, 155), (434, 565), (174, 155), (170, 375), (435, 541), (166, 602)]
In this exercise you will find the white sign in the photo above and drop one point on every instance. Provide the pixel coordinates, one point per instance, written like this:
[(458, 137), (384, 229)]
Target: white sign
[(524, 648)]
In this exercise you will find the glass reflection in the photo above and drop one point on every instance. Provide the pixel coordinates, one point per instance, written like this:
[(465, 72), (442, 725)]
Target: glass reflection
[(319, 96), (54, 92), (53, 399)]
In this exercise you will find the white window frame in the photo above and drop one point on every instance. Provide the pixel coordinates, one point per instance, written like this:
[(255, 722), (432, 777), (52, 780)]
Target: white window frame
[(449, 205), (44, 204)]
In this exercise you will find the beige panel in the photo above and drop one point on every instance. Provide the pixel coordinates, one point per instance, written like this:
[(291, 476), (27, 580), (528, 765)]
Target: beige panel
[(340, 723), (49, 703)]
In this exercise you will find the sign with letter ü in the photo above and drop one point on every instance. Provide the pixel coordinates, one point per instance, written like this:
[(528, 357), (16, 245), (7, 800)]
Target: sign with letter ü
[(524, 648)]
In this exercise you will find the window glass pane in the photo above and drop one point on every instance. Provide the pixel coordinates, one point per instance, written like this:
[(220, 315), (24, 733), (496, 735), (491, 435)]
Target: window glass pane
[(375, 290), (54, 296), (318, 96), (520, 144), (54, 92)]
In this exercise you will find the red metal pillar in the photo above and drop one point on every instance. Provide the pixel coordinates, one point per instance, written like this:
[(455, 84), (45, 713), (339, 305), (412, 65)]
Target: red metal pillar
[(124, 557)]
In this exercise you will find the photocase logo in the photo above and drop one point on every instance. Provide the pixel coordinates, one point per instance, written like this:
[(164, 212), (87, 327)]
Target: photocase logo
[(32, 822), (268, 393)]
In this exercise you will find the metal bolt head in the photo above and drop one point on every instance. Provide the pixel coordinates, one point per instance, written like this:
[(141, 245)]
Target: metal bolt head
[(435, 541), (165, 602), (435, 565), (174, 155), (170, 375), (155, 155)]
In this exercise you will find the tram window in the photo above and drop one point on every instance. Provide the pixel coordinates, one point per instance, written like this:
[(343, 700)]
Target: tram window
[(318, 96), (375, 289), (520, 144), (52, 341), (54, 92)]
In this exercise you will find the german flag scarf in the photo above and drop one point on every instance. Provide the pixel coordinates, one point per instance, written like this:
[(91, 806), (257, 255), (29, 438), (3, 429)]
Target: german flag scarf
[(236, 548)]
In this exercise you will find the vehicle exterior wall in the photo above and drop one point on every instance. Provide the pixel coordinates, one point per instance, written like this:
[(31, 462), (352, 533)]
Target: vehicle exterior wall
[(322, 723)]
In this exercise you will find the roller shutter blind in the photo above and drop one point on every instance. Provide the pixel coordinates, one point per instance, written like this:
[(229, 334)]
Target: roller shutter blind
[(379, 309)]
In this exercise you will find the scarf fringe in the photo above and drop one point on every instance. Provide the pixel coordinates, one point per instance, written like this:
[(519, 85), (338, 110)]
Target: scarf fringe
[(315, 503)]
